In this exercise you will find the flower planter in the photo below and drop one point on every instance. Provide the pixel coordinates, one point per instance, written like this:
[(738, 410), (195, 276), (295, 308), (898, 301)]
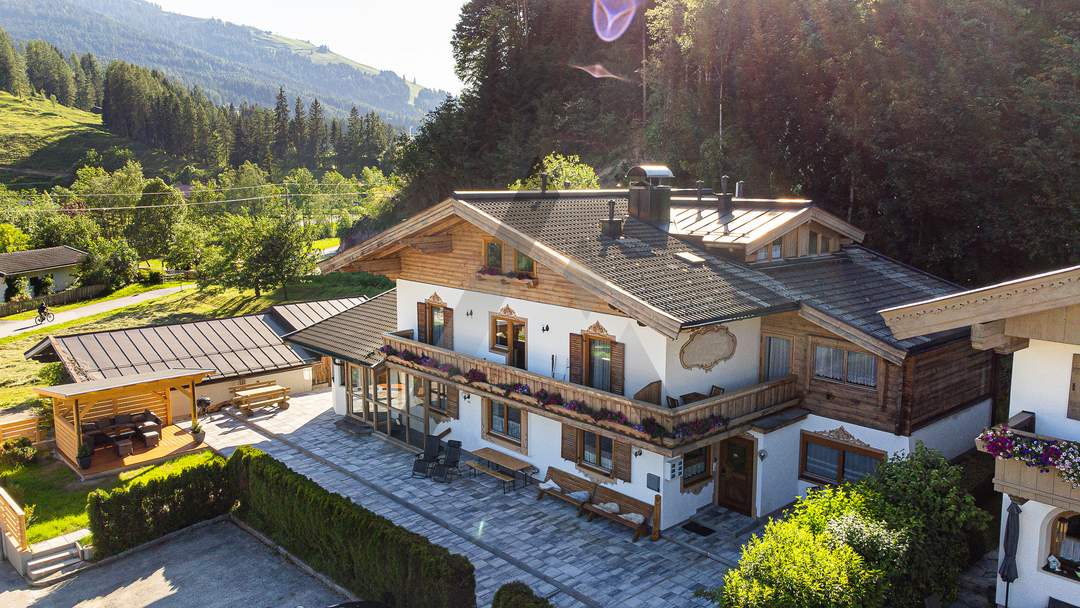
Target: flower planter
[(522, 398), (459, 379), (572, 414), (505, 280), (624, 430), (84, 462), (199, 436)]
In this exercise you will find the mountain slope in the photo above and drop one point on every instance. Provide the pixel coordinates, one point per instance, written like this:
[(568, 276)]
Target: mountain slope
[(232, 63)]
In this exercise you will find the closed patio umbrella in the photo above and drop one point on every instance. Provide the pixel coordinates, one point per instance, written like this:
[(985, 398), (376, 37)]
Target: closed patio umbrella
[(1007, 569)]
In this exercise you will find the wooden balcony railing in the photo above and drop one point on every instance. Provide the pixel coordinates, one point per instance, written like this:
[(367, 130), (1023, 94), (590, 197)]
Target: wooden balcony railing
[(13, 521), (1016, 478), (675, 430)]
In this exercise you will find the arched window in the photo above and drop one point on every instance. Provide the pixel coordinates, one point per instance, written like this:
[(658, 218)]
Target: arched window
[(1065, 546)]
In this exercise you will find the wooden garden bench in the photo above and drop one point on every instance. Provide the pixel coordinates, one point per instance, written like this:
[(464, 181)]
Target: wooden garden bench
[(626, 504), (567, 484)]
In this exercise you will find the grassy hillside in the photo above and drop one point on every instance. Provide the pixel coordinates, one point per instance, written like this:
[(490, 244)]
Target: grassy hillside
[(40, 141), (231, 63)]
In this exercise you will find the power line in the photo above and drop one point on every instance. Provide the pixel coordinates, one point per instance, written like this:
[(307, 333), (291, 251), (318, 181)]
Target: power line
[(201, 190)]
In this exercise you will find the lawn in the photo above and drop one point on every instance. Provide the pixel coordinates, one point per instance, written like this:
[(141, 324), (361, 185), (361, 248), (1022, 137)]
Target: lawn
[(130, 290), (18, 376), (59, 498), (41, 140), (327, 243)]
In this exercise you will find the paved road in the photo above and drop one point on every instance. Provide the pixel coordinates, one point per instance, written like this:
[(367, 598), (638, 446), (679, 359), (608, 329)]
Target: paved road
[(216, 566), (9, 328)]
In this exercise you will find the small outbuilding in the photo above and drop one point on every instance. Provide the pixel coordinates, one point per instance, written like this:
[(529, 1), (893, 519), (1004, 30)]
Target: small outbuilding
[(61, 263)]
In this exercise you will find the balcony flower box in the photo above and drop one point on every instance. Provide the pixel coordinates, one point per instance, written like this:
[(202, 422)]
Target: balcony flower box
[(573, 409), (510, 278), (624, 429)]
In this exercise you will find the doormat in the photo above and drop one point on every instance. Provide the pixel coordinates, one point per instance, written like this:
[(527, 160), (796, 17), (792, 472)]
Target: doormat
[(696, 528)]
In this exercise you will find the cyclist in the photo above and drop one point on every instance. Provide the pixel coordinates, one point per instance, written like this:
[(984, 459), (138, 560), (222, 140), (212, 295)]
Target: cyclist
[(42, 311)]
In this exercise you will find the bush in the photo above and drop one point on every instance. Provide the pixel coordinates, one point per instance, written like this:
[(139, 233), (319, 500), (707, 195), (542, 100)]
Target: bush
[(155, 277), (518, 595), (17, 289), (17, 452), (362, 551), (111, 262), (126, 517)]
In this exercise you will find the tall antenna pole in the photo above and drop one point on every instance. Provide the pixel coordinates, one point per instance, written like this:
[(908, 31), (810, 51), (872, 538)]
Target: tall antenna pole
[(644, 93)]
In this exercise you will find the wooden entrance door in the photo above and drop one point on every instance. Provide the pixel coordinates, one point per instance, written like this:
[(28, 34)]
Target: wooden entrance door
[(735, 474)]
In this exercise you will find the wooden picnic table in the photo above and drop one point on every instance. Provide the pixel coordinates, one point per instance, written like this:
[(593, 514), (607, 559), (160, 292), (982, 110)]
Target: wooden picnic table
[(248, 399), (516, 466)]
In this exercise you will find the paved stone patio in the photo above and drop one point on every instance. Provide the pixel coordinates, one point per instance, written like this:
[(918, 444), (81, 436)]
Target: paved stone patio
[(506, 536)]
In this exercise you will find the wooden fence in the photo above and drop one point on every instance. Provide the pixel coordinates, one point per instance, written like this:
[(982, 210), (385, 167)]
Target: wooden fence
[(21, 427), (13, 520), (56, 299)]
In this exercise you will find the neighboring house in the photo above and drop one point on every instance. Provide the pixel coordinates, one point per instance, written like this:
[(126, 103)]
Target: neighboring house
[(61, 263), (1037, 319), (240, 350), (728, 348)]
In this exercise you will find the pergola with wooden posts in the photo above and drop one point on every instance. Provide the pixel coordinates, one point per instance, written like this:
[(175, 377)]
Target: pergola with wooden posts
[(78, 403)]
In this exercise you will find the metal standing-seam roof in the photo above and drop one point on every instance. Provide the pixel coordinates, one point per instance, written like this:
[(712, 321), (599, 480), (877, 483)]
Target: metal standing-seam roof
[(854, 283), (646, 262), (354, 334), (233, 347), (299, 315), (32, 260)]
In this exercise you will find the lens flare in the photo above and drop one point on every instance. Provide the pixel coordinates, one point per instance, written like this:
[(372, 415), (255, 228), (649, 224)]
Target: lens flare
[(611, 18), (597, 71)]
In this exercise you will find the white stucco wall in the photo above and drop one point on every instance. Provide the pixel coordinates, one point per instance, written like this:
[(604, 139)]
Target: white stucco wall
[(740, 371), (337, 391), (777, 481), (1033, 587), (955, 434), (63, 278), (1040, 384)]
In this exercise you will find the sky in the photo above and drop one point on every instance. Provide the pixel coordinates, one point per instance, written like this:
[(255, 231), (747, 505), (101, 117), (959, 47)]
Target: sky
[(410, 37)]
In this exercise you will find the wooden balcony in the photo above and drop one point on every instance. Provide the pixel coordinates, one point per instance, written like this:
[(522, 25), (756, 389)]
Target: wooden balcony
[(1015, 478), (669, 431)]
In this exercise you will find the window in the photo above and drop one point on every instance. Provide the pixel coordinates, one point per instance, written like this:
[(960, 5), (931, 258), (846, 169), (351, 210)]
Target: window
[(493, 256), (777, 362), (696, 467), (596, 451), (762, 254), (440, 336), (1065, 545), (826, 244), (1073, 410), (437, 400), (599, 368), (777, 249), (812, 246), (500, 334), (505, 421), (524, 264), (841, 365), (827, 461)]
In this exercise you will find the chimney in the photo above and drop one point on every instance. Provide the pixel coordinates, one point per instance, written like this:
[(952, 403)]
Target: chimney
[(543, 182), (611, 228), (725, 197), (700, 189), (740, 189), (650, 197), (566, 184)]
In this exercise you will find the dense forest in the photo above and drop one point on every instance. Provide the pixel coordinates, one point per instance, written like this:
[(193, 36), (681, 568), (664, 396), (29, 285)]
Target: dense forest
[(231, 63), (949, 129)]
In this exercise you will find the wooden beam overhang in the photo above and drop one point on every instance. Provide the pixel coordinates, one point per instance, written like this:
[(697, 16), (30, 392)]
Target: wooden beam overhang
[(991, 335), (380, 265), (390, 238), (879, 347), (1025, 296), (437, 243)]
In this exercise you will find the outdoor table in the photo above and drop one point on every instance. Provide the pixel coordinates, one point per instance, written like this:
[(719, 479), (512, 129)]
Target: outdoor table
[(692, 397), (508, 462)]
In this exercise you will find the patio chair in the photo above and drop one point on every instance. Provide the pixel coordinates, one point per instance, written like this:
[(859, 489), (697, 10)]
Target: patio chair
[(448, 465), (423, 463), (672, 402), (716, 391)]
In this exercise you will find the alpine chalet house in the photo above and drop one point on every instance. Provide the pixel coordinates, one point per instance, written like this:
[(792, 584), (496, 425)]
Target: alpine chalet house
[(1037, 470), (679, 347)]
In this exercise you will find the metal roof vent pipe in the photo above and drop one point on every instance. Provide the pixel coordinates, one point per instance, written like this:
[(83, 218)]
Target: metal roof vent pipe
[(740, 189), (543, 182), (724, 197), (611, 228), (700, 189), (650, 196)]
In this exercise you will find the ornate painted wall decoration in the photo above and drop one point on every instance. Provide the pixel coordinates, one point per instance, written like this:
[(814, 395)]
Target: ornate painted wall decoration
[(707, 347)]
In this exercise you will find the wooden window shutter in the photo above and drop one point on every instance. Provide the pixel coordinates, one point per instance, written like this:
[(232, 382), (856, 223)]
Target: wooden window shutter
[(448, 328), (422, 322), (620, 460), (569, 443), (576, 359), (452, 397), (485, 416), (618, 368), (1074, 390)]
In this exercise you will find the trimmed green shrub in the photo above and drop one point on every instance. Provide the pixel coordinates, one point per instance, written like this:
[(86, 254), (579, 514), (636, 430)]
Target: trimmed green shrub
[(126, 517), (364, 552), (17, 452), (517, 594)]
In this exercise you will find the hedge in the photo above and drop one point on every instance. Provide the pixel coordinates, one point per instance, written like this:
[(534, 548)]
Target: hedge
[(365, 553), (518, 595), (126, 517)]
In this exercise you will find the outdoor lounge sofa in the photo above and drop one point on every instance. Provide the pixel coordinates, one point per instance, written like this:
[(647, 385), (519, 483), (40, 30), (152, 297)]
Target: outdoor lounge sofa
[(145, 425)]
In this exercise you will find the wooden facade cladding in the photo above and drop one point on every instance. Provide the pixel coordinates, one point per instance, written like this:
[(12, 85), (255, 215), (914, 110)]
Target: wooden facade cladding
[(459, 268), (796, 242), (739, 408), (909, 395)]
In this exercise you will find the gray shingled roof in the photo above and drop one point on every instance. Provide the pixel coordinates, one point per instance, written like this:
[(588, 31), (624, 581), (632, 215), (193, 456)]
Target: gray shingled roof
[(643, 263), (299, 315), (354, 334), (238, 346), (852, 285), (21, 262)]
